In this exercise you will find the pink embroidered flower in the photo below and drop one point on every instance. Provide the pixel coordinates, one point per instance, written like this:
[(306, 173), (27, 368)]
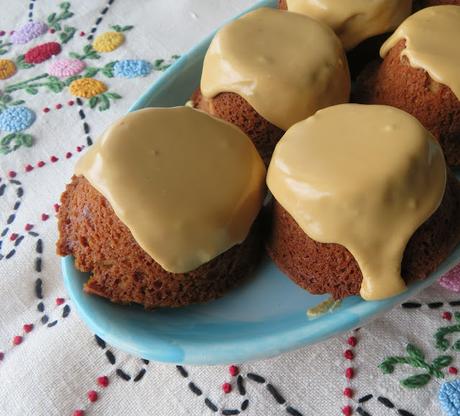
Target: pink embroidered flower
[(29, 31), (451, 280), (42, 52), (66, 67)]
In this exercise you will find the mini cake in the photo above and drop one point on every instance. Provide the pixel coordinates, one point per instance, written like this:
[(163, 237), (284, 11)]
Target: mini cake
[(363, 202), (162, 210), (270, 69), (420, 74), (353, 20)]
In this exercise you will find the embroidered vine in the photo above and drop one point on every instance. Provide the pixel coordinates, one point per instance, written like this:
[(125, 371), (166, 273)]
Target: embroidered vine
[(72, 74), (442, 343), (416, 359)]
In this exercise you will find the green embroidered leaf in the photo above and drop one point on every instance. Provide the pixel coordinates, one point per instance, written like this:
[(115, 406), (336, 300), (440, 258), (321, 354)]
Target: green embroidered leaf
[(51, 18), (105, 103), (69, 80), (113, 95), (4, 150), (91, 71), (387, 367), (75, 55), (55, 87), (65, 5), (87, 48), (18, 102), (22, 64), (457, 316), (107, 70), (456, 346), (414, 352), (93, 101), (68, 34), (31, 90), (416, 381), (8, 139), (118, 28), (27, 140), (6, 98), (442, 361)]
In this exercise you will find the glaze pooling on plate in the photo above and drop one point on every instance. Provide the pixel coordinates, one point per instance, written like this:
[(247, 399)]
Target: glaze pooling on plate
[(362, 176), (261, 319), (187, 185), (432, 36), (284, 64)]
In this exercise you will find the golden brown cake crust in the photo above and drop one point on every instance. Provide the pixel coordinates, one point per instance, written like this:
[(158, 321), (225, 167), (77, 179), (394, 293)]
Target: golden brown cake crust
[(395, 82), (330, 268), (123, 272), (235, 109)]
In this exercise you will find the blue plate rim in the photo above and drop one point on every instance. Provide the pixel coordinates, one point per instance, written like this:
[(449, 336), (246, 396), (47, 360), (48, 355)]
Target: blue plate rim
[(318, 329)]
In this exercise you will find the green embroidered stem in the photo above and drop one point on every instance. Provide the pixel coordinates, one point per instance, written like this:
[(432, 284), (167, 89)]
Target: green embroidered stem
[(103, 100), (440, 336), (106, 70), (54, 19), (7, 101), (67, 34), (88, 53), (416, 359), (4, 47), (22, 64), (20, 85), (162, 65), (118, 28), (14, 141)]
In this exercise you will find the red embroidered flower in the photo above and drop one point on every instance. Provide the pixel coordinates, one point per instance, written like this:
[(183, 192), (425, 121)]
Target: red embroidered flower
[(42, 52)]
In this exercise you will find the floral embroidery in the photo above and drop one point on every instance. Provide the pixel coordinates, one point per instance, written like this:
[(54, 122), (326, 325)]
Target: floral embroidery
[(7, 68), (108, 41), (440, 336), (54, 19), (15, 119), (29, 31), (451, 280), (449, 397), (132, 68), (87, 87), (63, 68), (42, 52), (416, 359)]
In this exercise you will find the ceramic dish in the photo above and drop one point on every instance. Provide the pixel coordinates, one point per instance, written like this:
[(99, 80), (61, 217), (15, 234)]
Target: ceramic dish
[(264, 317)]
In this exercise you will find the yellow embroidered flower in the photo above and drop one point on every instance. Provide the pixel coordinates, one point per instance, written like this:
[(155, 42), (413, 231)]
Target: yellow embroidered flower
[(87, 87), (7, 68), (108, 41)]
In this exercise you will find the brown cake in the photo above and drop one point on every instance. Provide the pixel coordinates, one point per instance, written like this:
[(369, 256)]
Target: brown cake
[(162, 209), (235, 109), (330, 268), (396, 82), (123, 272), (251, 85), (360, 186)]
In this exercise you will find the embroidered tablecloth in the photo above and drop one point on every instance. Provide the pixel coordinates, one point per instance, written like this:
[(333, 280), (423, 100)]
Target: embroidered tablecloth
[(68, 69)]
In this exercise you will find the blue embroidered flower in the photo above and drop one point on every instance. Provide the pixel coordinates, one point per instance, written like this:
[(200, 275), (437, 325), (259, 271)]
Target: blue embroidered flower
[(15, 119), (449, 397), (132, 68)]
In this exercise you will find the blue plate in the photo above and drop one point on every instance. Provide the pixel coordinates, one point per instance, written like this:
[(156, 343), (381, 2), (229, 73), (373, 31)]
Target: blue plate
[(264, 317)]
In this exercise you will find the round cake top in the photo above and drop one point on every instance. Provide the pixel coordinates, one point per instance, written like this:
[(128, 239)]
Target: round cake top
[(355, 20), (286, 65), (188, 186), (432, 37), (365, 177)]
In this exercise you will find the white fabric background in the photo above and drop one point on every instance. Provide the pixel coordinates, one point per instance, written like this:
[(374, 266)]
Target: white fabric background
[(51, 372)]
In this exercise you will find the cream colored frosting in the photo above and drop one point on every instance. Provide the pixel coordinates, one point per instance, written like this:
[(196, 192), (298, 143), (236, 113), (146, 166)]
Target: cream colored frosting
[(188, 186), (284, 64), (355, 20), (365, 177), (432, 38)]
